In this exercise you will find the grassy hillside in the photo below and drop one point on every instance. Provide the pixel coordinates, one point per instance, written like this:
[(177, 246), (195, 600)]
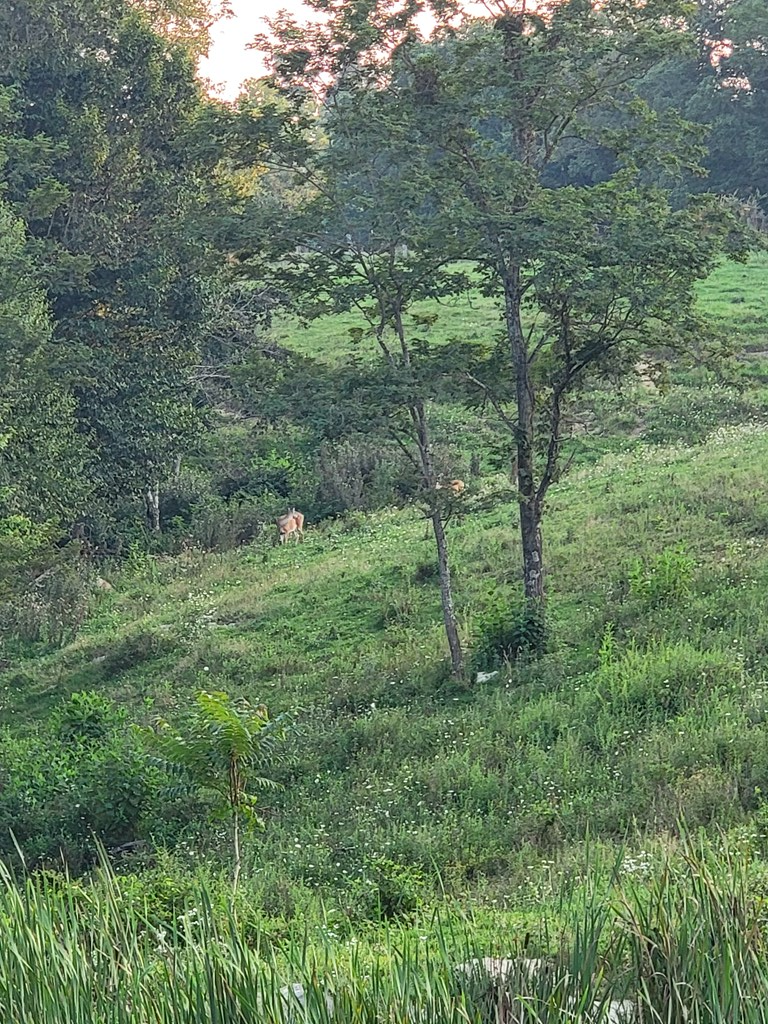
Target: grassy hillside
[(650, 702), (733, 296)]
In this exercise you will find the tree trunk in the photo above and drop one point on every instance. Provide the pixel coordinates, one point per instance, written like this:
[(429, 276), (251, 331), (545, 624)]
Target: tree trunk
[(533, 565), (530, 505), (429, 480), (153, 507), (236, 848), (446, 595)]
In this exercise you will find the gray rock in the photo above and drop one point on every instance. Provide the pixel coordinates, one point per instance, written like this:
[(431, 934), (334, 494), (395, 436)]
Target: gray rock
[(297, 993)]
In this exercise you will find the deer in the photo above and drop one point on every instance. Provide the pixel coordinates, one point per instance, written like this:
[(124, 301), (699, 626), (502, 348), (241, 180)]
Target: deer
[(455, 486), (290, 525)]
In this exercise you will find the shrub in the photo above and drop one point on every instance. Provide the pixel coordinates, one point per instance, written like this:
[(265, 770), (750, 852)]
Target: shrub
[(359, 474), (690, 414), (426, 572), (59, 797), (52, 608), (506, 631), (87, 716), (386, 891), (663, 579), (136, 648)]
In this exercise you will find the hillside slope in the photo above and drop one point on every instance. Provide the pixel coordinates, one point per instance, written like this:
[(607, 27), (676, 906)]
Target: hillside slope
[(651, 701)]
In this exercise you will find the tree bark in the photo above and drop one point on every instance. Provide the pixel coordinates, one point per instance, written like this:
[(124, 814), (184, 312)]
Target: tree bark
[(533, 552), (153, 507), (446, 595), (429, 480), (419, 417), (528, 498)]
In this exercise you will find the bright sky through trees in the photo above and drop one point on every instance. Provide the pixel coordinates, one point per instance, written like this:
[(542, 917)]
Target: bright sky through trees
[(230, 62)]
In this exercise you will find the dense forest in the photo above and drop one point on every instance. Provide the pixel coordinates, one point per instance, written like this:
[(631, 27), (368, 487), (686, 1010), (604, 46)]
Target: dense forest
[(382, 513)]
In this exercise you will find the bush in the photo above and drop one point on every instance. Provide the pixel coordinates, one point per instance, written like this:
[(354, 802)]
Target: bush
[(52, 608), (426, 572), (386, 891), (360, 474), (690, 414), (87, 717), (663, 579), (82, 777), (137, 648), (506, 631)]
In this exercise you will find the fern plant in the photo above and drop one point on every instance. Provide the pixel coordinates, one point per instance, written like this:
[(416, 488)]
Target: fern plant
[(222, 748)]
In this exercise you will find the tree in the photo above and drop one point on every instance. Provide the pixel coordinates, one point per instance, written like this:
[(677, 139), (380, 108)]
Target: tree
[(42, 458), (102, 161), (348, 245), (587, 276), (503, 97), (732, 99), (219, 748), (187, 22), (721, 83)]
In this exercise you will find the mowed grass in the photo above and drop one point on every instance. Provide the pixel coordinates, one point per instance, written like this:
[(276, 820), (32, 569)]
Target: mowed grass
[(469, 318), (734, 297)]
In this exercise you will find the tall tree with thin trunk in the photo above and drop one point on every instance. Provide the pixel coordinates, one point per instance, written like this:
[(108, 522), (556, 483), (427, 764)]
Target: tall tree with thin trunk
[(349, 246), (465, 129), (588, 278)]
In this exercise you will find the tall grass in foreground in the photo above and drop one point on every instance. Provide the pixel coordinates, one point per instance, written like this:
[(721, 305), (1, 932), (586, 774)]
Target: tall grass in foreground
[(689, 946)]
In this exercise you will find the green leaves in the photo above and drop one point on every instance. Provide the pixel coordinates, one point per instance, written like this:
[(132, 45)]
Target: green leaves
[(220, 746), (98, 156)]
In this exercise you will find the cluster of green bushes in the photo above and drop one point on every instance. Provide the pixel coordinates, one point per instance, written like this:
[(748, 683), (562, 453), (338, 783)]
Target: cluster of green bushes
[(79, 778)]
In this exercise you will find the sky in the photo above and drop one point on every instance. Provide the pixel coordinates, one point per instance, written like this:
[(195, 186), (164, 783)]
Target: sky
[(229, 61)]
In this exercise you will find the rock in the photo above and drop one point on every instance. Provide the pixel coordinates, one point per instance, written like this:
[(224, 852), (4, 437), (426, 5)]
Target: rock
[(645, 372), (501, 968), (102, 584), (297, 992), (495, 968), (485, 677), (621, 1011)]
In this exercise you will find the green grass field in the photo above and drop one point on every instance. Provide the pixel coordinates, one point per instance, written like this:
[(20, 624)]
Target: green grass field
[(733, 296), (407, 794), (658, 551)]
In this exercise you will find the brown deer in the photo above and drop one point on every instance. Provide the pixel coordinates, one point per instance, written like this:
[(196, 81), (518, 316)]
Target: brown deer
[(456, 486), (290, 525)]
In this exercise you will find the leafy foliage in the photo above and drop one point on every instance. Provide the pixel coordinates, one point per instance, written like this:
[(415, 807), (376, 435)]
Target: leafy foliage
[(108, 190), (221, 746), (506, 631)]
